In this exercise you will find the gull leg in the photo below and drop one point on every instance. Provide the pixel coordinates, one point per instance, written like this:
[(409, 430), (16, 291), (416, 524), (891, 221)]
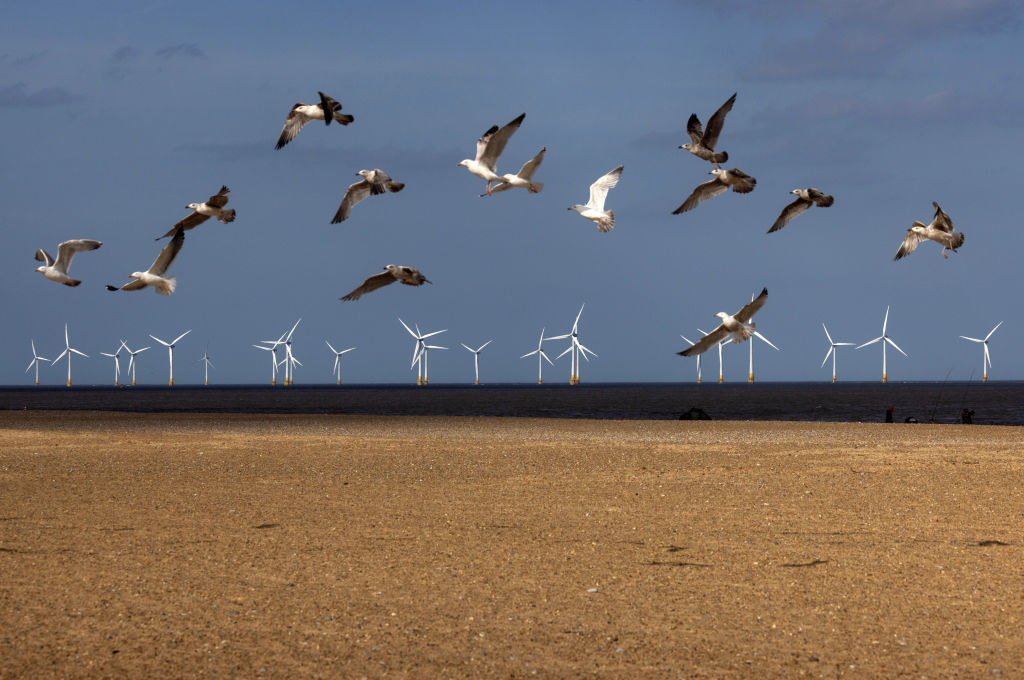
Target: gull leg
[(488, 188), (944, 256)]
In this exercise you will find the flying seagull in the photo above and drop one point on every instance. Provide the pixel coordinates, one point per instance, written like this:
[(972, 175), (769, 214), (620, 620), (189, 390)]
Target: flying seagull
[(594, 209), (940, 231), (57, 270), (741, 183), (523, 177), (703, 142), (327, 110), (214, 207), (805, 198), (373, 182), (736, 324), (393, 272), (488, 148), (154, 276)]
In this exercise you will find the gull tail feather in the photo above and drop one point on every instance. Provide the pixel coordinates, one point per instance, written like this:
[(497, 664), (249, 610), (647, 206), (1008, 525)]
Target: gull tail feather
[(169, 286), (536, 187), (720, 157)]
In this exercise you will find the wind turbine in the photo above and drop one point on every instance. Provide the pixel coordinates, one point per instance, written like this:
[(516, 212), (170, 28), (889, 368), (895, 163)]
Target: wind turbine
[(273, 356), (290, 361), (832, 345), (170, 353), (986, 361), (721, 376), (423, 358), (886, 339), (575, 350), (337, 360), (476, 358), (69, 350), (117, 364), (131, 359), (698, 357), (417, 351), (541, 357), (206, 367), (35, 361)]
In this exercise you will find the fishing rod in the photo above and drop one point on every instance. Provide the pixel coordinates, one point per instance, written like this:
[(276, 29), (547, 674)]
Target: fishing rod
[(938, 399)]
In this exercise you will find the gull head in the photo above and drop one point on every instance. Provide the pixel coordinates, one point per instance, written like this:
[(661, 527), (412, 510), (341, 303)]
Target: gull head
[(136, 275), (577, 208), (795, 191), (465, 162), (40, 269), (685, 146), (722, 315), (717, 172), (192, 206)]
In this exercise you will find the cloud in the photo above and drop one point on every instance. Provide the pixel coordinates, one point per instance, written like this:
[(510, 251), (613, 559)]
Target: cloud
[(18, 96), (125, 54), (183, 50)]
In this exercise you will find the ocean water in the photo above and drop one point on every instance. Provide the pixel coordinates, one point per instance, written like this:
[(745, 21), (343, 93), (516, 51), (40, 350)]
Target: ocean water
[(994, 403)]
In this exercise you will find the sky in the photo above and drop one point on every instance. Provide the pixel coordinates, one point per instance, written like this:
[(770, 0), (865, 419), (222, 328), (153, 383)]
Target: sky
[(117, 115)]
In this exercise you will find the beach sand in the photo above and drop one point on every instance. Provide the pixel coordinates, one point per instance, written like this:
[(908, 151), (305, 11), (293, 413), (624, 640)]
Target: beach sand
[(148, 546)]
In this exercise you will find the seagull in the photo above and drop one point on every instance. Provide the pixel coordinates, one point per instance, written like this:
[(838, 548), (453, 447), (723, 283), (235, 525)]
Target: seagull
[(703, 141), (373, 182), (214, 207), (741, 183), (488, 148), (57, 270), (523, 177), (393, 272), (940, 231), (736, 325), (594, 209), (804, 199), (327, 110), (154, 276)]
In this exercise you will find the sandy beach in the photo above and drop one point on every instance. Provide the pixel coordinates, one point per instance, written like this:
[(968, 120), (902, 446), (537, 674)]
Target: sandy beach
[(141, 545)]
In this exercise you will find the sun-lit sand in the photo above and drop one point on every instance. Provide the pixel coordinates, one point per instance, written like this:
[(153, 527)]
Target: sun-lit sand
[(148, 546)]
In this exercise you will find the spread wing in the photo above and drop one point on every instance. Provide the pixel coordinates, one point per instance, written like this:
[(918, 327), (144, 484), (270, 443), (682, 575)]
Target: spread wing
[(219, 199), (44, 256), (356, 192), (296, 119), (941, 220), (750, 309), (702, 193), (193, 220), (490, 146), (821, 199), (707, 342), (694, 129), (530, 167), (599, 189), (371, 284), (67, 250), (134, 284), (167, 255), (910, 243), (716, 122), (789, 212)]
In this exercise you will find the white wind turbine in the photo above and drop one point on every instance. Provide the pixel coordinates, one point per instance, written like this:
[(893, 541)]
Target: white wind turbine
[(68, 350), (986, 361), (833, 351), (273, 356), (170, 353), (476, 358), (206, 366), (290, 361), (337, 360), (885, 339), (698, 357), (750, 373), (541, 357), (423, 358), (419, 353), (728, 339), (116, 356), (575, 349), (131, 359), (35, 361)]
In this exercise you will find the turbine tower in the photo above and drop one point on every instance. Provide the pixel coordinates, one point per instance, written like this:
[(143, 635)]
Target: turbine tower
[(337, 360), (721, 375), (421, 377), (273, 356), (131, 359), (698, 357), (170, 353), (206, 366), (68, 350), (750, 373), (117, 363), (35, 361), (575, 349), (289, 360), (833, 351), (476, 358), (423, 358), (541, 357), (986, 361), (885, 339)]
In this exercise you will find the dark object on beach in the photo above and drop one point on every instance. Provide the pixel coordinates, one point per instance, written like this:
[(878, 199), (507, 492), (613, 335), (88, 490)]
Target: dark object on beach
[(967, 416), (695, 413), (911, 419), (888, 414)]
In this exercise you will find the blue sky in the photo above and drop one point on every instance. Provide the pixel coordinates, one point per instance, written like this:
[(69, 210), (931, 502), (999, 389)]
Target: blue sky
[(119, 116)]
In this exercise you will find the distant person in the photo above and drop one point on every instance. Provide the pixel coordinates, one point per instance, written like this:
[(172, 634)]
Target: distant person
[(888, 414), (967, 416)]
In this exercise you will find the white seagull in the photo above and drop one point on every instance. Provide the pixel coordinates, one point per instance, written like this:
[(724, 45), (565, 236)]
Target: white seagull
[(154, 276), (393, 272), (213, 207), (805, 198), (488, 148), (703, 141), (373, 182), (940, 230), (594, 209), (524, 177), (741, 183), (327, 110), (737, 325), (57, 270)]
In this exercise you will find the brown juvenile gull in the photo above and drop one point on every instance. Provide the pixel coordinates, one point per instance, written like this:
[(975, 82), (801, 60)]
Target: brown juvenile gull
[(594, 209), (373, 182), (488, 148), (524, 177), (735, 324), (805, 198), (741, 183), (940, 230), (327, 110), (214, 207), (393, 272), (703, 142), (154, 276), (57, 270)]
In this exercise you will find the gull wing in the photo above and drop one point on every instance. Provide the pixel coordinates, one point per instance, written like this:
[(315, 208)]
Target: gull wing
[(296, 119), (797, 207), (910, 243), (44, 257), (193, 220), (703, 192), (371, 284), (745, 183), (490, 146), (219, 199), (716, 122), (706, 343), (166, 257), (134, 284), (818, 197), (530, 167), (356, 192), (750, 309), (67, 250), (599, 189), (941, 220), (694, 129)]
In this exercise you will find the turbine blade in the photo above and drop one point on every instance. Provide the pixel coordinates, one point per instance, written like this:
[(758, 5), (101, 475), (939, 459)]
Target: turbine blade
[(529, 354), (332, 348), (871, 342), (831, 348), (827, 336), (61, 356), (766, 340), (467, 347), (424, 337), (293, 329), (81, 354), (545, 357), (175, 341), (993, 331), (480, 349), (987, 357), (407, 328), (567, 350), (971, 339), (888, 340), (692, 343), (165, 344)]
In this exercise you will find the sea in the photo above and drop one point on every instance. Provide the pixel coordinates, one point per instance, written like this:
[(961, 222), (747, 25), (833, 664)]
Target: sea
[(993, 403)]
